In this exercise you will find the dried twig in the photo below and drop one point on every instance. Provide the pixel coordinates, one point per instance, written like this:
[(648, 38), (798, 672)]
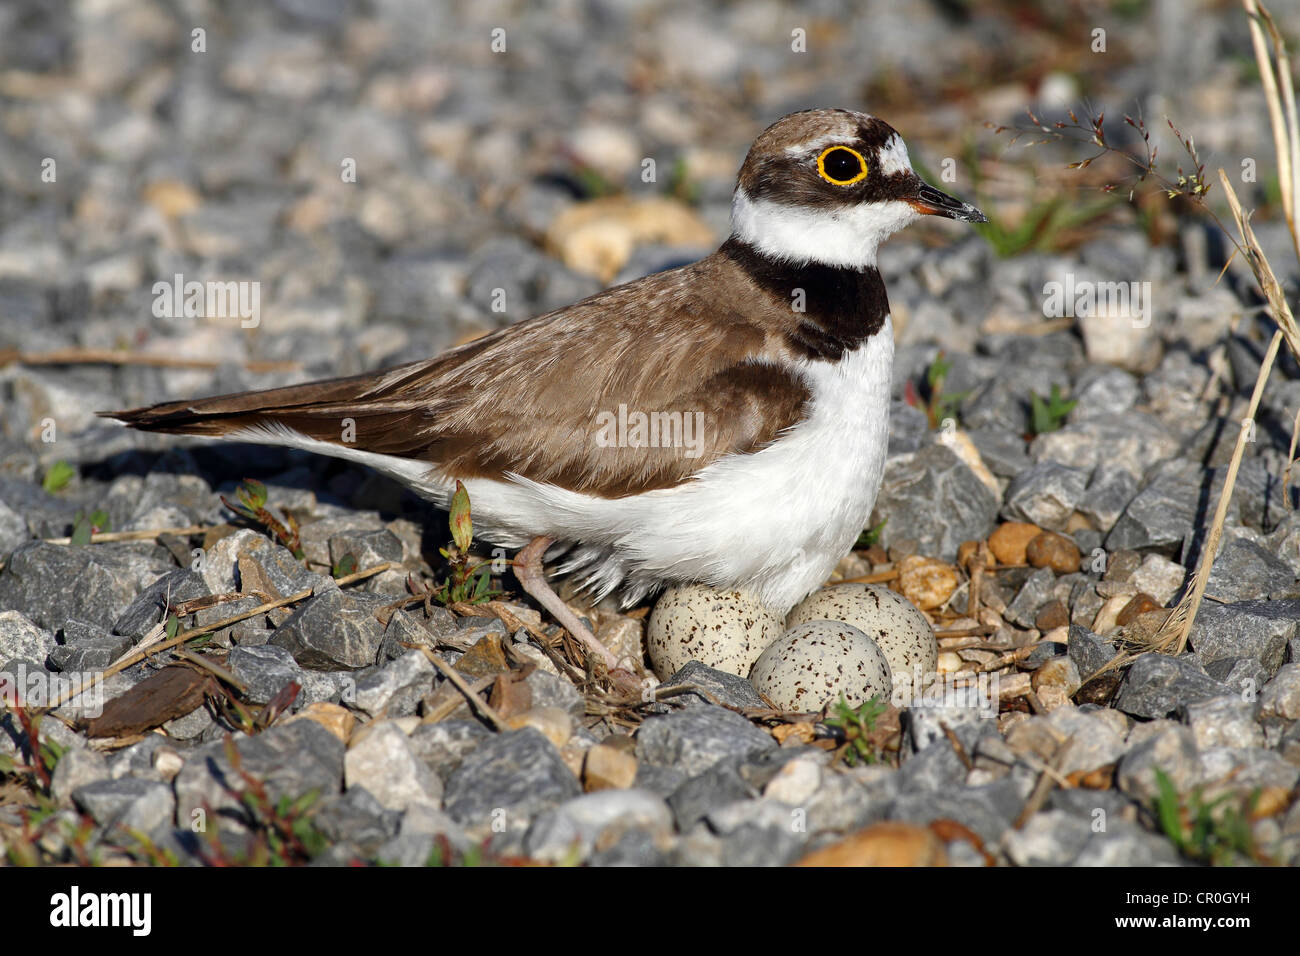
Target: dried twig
[(145, 535), (455, 677)]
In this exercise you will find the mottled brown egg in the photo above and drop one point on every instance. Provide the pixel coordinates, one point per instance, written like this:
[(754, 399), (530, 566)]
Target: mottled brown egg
[(722, 629), (885, 616), (813, 663)]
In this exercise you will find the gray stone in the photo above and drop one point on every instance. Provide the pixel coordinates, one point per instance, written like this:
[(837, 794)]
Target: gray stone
[(291, 760), (264, 670), (330, 631), (442, 746), (720, 785), (282, 572), (632, 848), (925, 718), (730, 689), (20, 639), (663, 781), (357, 818), (369, 548), (695, 739), (36, 582), (933, 498), (507, 781), (974, 807), (403, 629), (1049, 838), (1033, 594), (234, 633), (1243, 770), (424, 831), (1227, 721), (384, 762), (77, 768), (1169, 748), (551, 691), (938, 767), (1103, 390), (1002, 452), (1161, 514), (396, 688), (191, 726), (1156, 685), (1088, 651), (909, 429), (1255, 629), (1159, 577), (1244, 675), (570, 832), (1281, 695), (758, 833), (1091, 741), (1128, 845), (150, 605), (13, 530), (1045, 494), (1127, 441), (87, 647), (130, 803), (1108, 493), (1244, 571)]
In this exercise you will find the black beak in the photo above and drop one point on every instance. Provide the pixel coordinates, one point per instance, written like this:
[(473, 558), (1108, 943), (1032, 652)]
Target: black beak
[(931, 202)]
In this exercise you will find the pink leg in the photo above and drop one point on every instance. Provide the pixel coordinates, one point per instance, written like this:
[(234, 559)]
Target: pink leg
[(531, 575)]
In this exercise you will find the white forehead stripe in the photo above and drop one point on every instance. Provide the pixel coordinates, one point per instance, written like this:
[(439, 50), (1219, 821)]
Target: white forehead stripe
[(893, 157), (846, 236)]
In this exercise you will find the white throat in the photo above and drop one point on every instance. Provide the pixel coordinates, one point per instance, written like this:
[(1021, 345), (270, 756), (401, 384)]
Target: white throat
[(845, 237)]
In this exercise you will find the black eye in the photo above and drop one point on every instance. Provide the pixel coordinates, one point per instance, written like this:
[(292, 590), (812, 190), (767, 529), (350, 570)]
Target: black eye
[(841, 166)]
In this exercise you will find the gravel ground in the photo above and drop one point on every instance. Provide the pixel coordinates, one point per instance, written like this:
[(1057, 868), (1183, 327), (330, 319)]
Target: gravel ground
[(395, 182)]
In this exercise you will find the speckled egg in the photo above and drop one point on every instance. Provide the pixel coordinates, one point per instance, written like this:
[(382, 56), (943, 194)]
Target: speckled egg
[(722, 629), (888, 618), (812, 663)]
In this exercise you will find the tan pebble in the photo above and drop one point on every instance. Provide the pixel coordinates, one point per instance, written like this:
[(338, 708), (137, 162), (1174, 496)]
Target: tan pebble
[(948, 663), (168, 762), (967, 552), (336, 719), (1055, 551), (1139, 604), (555, 724), (1108, 616), (926, 582), (795, 783), (1009, 541), (625, 639), (883, 844), (608, 768), (1055, 681)]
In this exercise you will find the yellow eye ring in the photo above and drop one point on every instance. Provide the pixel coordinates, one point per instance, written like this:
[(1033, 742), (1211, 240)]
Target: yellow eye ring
[(821, 166)]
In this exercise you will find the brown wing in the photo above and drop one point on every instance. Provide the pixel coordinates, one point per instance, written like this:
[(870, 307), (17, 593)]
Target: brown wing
[(627, 391)]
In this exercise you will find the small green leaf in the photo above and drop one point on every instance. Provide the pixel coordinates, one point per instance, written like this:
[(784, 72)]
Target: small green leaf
[(81, 528), (871, 535), (173, 626), (252, 494), (345, 565), (462, 527), (57, 478)]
